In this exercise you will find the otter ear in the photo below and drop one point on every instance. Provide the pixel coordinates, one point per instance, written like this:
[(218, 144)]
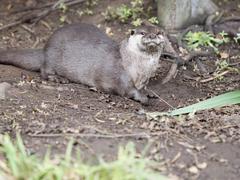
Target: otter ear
[(133, 31)]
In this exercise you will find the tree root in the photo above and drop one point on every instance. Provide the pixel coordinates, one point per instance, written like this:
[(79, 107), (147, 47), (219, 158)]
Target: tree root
[(183, 61)]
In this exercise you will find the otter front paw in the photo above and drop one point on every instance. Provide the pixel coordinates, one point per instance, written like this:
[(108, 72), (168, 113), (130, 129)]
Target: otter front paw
[(58, 79), (140, 97), (144, 100)]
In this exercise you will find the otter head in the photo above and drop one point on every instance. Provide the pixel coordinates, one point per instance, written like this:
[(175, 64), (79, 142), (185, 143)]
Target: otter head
[(148, 39)]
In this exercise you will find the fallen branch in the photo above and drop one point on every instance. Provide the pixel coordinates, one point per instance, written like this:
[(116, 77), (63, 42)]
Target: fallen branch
[(171, 73), (106, 136), (212, 20), (214, 77), (138, 135), (232, 18), (183, 61), (32, 8), (11, 25), (35, 18)]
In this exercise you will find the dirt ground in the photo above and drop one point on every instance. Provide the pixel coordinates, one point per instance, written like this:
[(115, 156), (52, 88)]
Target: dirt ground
[(205, 146)]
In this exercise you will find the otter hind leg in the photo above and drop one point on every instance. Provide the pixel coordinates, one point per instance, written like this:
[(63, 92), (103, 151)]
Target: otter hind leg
[(48, 73), (58, 79), (46, 70)]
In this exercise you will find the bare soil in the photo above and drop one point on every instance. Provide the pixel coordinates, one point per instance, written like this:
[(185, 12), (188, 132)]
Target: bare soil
[(203, 146)]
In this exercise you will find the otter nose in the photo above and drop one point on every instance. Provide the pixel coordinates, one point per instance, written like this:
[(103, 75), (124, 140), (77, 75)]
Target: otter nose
[(152, 36)]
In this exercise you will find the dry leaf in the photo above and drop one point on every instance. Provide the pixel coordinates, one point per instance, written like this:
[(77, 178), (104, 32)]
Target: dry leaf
[(109, 31), (224, 55)]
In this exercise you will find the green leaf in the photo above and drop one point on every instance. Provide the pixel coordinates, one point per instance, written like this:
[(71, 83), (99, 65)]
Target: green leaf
[(226, 99)]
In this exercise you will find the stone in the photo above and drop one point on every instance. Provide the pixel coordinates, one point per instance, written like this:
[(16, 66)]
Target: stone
[(4, 86)]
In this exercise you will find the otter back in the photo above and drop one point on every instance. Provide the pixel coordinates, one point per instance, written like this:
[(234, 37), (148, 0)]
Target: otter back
[(84, 54)]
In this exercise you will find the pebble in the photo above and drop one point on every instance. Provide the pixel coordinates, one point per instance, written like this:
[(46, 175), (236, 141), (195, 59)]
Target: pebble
[(4, 86)]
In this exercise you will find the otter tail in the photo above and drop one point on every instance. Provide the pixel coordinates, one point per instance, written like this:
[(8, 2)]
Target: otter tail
[(30, 59)]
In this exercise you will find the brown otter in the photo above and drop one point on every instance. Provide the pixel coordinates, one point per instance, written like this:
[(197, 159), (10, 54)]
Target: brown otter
[(83, 54)]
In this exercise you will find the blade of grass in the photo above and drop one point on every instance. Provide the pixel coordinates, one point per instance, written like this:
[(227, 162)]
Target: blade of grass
[(21, 165), (225, 99), (10, 151)]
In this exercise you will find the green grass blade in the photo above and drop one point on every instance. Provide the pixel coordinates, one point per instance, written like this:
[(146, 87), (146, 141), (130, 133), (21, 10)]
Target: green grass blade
[(21, 165), (10, 153), (229, 98), (68, 154), (20, 146)]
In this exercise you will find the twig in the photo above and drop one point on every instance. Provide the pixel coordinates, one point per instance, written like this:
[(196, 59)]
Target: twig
[(35, 18), (194, 54), (212, 20), (55, 7), (161, 98), (214, 77), (234, 64), (67, 2), (182, 61), (106, 136), (48, 11), (175, 158), (171, 73), (231, 18), (11, 25), (32, 8)]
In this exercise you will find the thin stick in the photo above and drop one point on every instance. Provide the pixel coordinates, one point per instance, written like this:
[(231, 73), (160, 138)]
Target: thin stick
[(37, 17), (107, 136), (214, 77), (171, 73), (161, 99), (32, 8), (11, 25)]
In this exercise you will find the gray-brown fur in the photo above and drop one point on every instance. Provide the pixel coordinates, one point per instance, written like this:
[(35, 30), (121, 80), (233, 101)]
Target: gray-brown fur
[(30, 59), (83, 54)]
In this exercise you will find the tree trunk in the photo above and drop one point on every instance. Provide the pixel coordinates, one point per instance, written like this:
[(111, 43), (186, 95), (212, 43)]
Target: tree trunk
[(177, 14)]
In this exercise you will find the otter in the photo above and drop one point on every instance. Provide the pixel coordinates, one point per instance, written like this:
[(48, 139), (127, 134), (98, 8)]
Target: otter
[(82, 53)]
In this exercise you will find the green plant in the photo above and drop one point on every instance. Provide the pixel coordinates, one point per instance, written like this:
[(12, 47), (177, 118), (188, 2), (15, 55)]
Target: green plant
[(134, 12), (226, 99), (91, 3), (137, 22), (153, 20), (200, 39), (63, 7), (87, 8), (223, 65), (125, 12), (20, 165), (237, 38)]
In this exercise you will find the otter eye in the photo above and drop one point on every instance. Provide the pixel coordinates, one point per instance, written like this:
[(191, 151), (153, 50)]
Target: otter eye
[(132, 32), (143, 33)]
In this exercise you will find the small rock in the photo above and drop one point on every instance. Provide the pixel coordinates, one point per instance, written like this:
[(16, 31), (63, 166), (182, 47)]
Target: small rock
[(202, 165), (193, 170), (3, 89)]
